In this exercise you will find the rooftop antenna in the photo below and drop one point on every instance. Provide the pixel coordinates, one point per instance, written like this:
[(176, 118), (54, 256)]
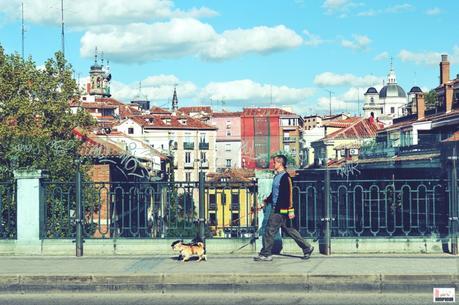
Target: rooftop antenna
[(62, 35), (102, 58), (358, 101), (330, 93), (22, 28)]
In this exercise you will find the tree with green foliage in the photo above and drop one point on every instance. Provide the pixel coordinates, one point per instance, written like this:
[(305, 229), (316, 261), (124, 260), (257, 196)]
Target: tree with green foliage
[(431, 99), (36, 126), (36, 122)]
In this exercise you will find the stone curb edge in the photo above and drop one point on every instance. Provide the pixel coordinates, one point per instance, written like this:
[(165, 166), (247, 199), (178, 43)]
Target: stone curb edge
[(229, 282)]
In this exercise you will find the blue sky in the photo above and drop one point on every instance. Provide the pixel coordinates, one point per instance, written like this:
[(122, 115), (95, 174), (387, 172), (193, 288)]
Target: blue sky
[(284, 53)]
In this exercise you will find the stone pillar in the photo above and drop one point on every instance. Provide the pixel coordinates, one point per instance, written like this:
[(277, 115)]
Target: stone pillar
[(30, 211)]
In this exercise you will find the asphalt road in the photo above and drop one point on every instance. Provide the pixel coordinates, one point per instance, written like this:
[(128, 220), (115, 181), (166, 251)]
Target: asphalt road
[(216, 299)]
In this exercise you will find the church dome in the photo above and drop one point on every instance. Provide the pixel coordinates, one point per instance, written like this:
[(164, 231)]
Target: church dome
[(392, 90), (371, 90), (415, 89)]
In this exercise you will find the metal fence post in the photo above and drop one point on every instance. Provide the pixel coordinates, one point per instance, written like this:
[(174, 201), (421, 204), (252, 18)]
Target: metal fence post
[(79, 213), (325, 243), (202, 210), (453, 205)]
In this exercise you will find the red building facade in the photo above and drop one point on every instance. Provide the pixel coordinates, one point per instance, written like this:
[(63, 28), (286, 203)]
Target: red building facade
[(260, 136)]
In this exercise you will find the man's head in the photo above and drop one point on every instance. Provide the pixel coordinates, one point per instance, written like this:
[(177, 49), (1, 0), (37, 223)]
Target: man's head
[(280, 162)]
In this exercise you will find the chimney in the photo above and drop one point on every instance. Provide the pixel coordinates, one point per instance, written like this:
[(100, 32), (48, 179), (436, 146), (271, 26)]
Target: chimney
[(444, 69), (420, 106), (448, 97)]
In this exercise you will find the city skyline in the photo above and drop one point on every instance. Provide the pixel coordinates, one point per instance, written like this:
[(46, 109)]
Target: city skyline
[(285, 54)]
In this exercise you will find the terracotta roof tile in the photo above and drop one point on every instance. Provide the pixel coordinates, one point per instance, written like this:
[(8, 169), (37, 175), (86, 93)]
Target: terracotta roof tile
[(188, 110), (226, 114), (158, 110), (362, 128), (179, 121), (265, 112)]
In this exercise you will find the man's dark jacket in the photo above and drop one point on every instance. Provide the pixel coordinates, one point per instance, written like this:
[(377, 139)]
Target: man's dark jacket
[(284, 202)]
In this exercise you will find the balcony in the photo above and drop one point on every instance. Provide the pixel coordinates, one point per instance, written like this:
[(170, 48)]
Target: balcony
[(289, 139), (188, 165), (203, 146), (188, 145)]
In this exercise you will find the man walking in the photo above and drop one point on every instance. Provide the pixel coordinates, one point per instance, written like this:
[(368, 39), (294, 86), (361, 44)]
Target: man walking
[(281, 199)]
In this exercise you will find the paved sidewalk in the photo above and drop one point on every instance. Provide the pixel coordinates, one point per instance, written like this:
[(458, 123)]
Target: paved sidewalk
[(377, 273)]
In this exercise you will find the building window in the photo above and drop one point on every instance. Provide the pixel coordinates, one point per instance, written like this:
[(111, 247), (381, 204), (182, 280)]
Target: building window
[(235, 201), (130, 130), (228, 162), (227, 147), (228, 124), (212, 202), (202, 138), (212, 218), (187, 157), (392, 109), (235, 219), (203, 157), (188, 176), (228, 132)]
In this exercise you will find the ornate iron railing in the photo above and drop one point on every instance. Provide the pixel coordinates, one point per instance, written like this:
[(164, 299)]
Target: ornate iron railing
[(149, 209), (8, 210), (374, 207)]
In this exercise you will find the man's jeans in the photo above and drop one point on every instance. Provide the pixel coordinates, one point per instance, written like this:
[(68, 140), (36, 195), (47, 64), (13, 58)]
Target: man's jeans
[(277, 246), (275, 222)]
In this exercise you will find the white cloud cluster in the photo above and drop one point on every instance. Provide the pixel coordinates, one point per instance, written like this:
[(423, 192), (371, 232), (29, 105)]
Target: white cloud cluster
[(156, 88), (259, 39), (359, 42), (87, 13), (235, 94), (433, 11), (350, 101), (338, 6), (313, 39), (142, 42), (428, 57), (247, 93), (382, 56), (329, 79), (395, 9)]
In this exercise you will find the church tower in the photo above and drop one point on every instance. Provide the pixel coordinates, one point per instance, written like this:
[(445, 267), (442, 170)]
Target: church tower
[(100, 78), (175, 101)]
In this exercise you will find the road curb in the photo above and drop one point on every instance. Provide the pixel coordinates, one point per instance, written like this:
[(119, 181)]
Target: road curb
[(229, 282)]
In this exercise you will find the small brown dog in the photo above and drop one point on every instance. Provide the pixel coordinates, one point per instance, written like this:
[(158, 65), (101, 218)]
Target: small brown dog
[(189, 250)]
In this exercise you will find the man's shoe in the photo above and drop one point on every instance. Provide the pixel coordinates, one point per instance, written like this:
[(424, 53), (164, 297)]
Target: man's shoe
[(307, 254), (262, 258)]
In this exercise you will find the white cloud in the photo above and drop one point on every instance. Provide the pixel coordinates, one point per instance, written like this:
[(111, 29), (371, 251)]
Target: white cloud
[(360, 42), (313, 39), (183, 37), (433, 11), (328, 79), (338, 6), (248, 93), (399, 8), (368, 13), (157, 88), (259, 39), (382, 56), (86, 13), (337, 105), (350, 101), (395, 9), (428, 57)]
